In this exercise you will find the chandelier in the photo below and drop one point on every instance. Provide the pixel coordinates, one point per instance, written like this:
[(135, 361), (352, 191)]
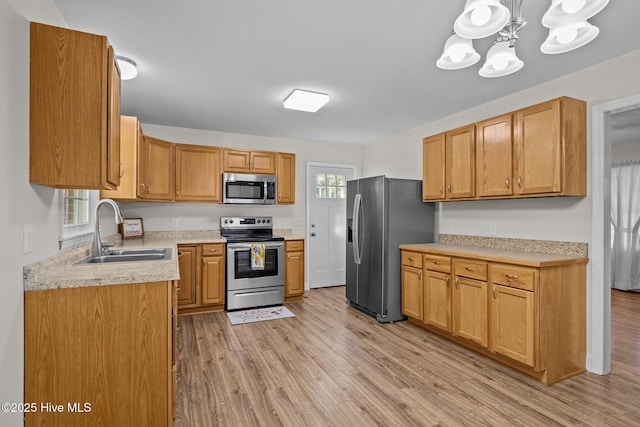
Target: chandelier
[(566, 20)]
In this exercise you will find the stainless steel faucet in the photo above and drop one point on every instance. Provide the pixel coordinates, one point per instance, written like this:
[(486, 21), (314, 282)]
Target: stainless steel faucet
[(98, 247)]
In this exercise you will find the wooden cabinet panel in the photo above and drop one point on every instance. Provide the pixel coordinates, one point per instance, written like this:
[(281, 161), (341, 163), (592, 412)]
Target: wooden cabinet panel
[(188, 283), (106, 345), (512, 324), (437, 263), (412, 292), (74, 110), (245, 161), (114, 164), (494, 156), (470, 314), (156, 166), (433, 168), (213, 273), (412, 259), (294, 270), (286, 174), (460, 145), (263, 162), (538, 149), (198, 176), (437, 300), (129, 133)]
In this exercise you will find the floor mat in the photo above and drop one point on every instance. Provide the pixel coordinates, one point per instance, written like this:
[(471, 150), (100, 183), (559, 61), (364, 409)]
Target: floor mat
[(258, 314)]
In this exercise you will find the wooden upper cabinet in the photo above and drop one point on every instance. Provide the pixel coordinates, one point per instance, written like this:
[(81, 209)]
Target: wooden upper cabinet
[(433, 168), (494, 156), (245, 161), (550, 148), (198, 176), (74, 111), (460, 162), (286, 175), (155, 169), (129, 133)]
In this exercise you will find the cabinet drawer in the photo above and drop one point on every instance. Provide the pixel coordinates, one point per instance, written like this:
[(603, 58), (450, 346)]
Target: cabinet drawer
[(471, 269), (216, 249), (294, 245), (412, 259), (437, 263), (513, 276)]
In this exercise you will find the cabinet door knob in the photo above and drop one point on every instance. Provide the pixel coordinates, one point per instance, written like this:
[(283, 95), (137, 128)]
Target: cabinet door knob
[(507, 183), (449, 188), (180, 254), (441, 189), (520, 182), (448, 281), (121, 170), (177, 191), (148, 189), (494, 293), (420, 275), (457, 282)]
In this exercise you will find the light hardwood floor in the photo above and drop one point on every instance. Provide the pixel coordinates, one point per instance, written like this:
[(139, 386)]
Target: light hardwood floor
[(333, 366)]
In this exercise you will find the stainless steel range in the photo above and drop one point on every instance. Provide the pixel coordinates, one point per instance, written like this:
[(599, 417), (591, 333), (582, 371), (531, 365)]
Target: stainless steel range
[(251, 283)]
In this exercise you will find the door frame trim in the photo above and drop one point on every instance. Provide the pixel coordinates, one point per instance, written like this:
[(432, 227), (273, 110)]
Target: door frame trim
[(599, 339), (309, 165)]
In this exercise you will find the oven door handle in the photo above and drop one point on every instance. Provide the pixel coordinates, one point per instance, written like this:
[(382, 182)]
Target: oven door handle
[(248, 245)]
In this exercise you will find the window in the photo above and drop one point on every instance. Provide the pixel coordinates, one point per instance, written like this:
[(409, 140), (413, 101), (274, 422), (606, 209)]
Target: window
[(76, 220), (331, 186)]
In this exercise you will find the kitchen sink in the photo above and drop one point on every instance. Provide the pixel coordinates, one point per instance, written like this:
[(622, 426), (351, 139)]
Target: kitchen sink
[(129, 255)]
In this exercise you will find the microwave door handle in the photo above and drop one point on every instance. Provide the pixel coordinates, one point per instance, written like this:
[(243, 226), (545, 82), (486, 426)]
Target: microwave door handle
[(264, 193)]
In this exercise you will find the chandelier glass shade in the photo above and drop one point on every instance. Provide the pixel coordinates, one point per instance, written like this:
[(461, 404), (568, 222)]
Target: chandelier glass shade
[(566, 20), (458, 53)]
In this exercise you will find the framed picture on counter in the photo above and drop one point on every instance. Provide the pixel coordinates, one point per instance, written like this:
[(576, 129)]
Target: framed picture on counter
[(131, 228)]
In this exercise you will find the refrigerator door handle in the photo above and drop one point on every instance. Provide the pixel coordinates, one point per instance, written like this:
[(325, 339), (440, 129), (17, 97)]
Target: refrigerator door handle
[(356, 228)]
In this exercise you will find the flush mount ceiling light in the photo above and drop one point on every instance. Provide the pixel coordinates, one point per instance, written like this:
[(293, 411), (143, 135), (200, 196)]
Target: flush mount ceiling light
[(128, 68), (304, 100), (566, 20)]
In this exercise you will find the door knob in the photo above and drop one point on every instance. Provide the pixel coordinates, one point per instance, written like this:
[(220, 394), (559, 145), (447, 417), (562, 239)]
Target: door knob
[(313, 226), (313, 234)]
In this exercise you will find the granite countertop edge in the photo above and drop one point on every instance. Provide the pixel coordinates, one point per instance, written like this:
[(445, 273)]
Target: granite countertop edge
[(60, 271)]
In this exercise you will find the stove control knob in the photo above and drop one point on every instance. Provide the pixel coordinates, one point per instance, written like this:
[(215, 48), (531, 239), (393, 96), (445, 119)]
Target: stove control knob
[(231, 221), (226, 221), (268, 221)]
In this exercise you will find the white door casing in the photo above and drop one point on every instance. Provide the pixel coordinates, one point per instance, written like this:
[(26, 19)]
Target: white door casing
[(326, 228)]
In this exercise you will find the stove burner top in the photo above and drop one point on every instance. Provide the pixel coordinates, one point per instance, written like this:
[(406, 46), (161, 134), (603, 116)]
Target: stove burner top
[(248, 229)]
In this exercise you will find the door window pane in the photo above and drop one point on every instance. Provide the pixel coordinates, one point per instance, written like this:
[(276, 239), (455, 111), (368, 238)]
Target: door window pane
[(321, 192), (331, 186), (320, 179)]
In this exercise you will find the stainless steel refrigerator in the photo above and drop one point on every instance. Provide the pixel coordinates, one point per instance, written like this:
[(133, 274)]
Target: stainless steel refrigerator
[(382, 213)]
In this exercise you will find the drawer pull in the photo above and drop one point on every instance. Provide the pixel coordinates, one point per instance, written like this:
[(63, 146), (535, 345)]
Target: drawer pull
[(412, 259), (470, 269), (511, 276), (212, 250), (437, 262)]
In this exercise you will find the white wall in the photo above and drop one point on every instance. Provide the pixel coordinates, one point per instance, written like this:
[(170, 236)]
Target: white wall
[(198, 216), (562, 219), (625, 152), (23, 203)]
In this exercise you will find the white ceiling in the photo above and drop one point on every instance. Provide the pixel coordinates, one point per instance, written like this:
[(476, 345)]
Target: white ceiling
[(228, 65)]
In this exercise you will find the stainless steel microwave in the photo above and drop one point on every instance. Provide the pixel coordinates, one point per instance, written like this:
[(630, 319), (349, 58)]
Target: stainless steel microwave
[(239, 188)]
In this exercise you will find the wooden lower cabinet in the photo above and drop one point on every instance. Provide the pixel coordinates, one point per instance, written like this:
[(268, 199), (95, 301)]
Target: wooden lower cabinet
[(104, 353), (294, 270), (529, 315), (437, 300), (202, 278)]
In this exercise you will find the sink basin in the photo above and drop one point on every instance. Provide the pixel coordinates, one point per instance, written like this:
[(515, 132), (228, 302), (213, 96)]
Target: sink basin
[(130, 255)]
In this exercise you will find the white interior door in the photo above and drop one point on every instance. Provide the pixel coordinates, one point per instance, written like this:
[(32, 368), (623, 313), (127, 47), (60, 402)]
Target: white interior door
[(326, 228)]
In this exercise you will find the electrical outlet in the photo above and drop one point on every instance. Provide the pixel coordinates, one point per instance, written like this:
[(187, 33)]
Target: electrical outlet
[(299, 220), (27, 238), (175, 222), (490, 229)]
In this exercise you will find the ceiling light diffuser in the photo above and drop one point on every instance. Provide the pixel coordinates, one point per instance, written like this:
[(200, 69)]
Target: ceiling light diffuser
[(458, 53), (567, 12), (128, 68), (481, 18), (565, 39), (501, 61), (303, 100)]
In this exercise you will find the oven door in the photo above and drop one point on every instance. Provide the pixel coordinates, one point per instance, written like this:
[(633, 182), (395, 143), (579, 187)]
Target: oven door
[(241, 276)]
